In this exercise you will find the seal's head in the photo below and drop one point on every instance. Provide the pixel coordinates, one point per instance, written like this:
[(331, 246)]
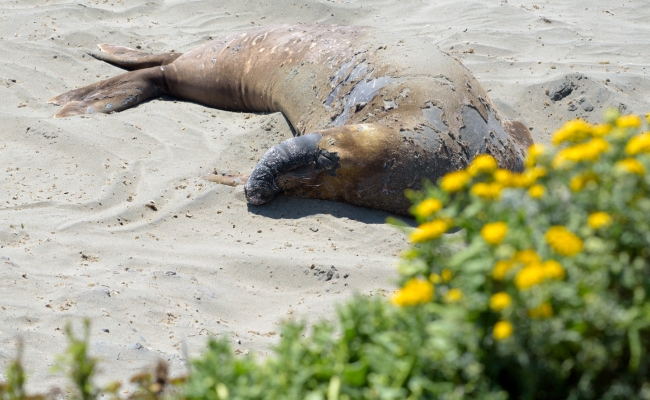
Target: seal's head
[(261, 185)]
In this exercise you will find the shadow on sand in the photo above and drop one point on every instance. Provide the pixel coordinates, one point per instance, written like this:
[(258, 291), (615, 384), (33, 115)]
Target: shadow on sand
[(292, 208)]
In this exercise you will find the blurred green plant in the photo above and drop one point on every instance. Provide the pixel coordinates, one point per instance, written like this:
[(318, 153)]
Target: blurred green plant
[(80, 368), (154, 385), (77, 364), (14, 387), (380, 352)]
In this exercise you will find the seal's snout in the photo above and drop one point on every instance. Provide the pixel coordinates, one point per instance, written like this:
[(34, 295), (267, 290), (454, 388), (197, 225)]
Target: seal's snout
[(258, 195), (261, 186)]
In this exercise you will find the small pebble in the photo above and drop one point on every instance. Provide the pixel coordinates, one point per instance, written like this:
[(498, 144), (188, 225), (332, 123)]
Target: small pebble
[(135, 346)]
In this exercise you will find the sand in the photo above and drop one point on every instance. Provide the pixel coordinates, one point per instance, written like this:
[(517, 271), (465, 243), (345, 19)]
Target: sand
[(108, 217)]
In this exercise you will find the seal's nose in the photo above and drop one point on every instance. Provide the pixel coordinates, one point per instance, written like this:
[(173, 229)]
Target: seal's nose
[(257, 196)]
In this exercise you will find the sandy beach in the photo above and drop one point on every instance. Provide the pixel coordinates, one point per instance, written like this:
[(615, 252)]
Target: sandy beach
[(109, 217)]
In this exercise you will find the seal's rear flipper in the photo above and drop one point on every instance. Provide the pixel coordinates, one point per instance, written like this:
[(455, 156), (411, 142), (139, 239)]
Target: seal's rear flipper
[(112, 95), (131, 59)]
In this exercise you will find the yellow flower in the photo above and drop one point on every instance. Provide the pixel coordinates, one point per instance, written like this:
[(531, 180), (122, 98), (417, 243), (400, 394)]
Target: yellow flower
[(434, 278), (573, 131), (483, 163), (455, 181), (427, 207), (589, 151), (536, 191), (487, 190), (563, 241), (502, 330), (638, 144), (601, 130), (415, 291), (430, 230), (453, 295), (499, 301), (528, 177), (534, 152), (594, 147), (529, 276), (628, 121), (503, 177), (495, 232), (528, 256), (579, 182), (553, 270), (501, 268), (544, 310), (599, 219), (538, 172), (446, 275), (631, 166)]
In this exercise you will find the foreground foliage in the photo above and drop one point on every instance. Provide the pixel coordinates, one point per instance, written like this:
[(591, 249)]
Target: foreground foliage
[(551, 265), (541, 293), (382, 352)]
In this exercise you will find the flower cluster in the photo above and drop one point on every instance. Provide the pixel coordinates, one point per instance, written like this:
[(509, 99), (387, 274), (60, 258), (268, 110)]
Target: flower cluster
[(599, 219), (588, 151), (563, 241), (455, 181), (638, 144), (494, 232), (500, 301), (535, 273), (430, 230), (569, 232)]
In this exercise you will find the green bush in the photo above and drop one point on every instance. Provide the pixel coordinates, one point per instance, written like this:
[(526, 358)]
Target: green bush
[(551, 265), (541, 293), (381, 352)]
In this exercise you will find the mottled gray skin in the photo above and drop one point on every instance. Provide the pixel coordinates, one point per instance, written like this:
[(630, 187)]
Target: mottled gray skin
[(386, 112)]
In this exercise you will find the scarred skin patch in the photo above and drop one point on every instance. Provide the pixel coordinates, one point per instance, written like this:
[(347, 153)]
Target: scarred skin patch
[(375, 113)]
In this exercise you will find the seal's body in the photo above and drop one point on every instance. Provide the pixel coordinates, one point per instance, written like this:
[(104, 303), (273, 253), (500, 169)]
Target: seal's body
[(375, 114)]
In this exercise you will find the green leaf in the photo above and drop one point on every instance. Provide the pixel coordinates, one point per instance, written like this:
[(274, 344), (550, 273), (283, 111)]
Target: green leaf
[(355, 374)]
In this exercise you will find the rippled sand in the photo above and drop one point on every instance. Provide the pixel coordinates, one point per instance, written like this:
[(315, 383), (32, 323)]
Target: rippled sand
[(79, 235)]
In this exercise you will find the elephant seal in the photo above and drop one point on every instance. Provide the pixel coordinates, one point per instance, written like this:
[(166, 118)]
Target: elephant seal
[(374, 113)]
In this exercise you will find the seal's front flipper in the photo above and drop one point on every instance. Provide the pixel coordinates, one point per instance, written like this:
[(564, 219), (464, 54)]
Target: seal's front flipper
[(112, 95), (227, 179), (131, 59)]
